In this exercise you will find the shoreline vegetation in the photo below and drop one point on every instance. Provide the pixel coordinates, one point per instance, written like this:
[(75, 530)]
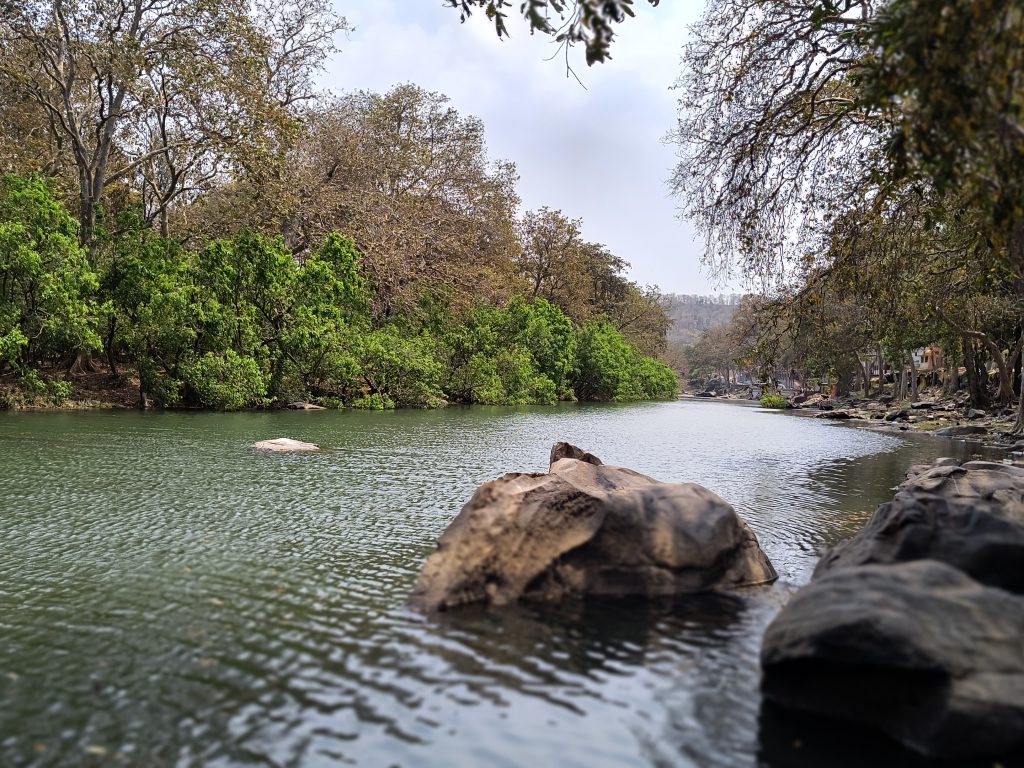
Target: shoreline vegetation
[(244, 322)]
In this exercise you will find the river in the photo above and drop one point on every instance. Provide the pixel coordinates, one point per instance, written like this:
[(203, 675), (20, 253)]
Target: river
[(170, 598)]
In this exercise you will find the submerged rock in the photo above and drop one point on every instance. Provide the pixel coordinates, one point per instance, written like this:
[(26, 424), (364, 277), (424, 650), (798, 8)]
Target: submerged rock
[(917, 650), (285, 445), (586, 528), (916, 625)]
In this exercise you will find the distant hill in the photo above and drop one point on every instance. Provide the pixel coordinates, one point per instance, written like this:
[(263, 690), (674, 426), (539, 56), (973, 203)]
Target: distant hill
[(691, 315)]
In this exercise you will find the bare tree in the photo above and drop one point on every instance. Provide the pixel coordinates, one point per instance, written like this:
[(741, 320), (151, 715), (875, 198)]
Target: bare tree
[(158, 93)]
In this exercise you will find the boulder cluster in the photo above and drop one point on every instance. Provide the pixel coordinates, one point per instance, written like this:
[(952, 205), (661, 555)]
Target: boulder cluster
[(915, 627)]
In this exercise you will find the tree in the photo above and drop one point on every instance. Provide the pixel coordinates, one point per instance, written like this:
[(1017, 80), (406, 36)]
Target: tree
[(47, 308), (154, 94), (772, 137), (948, 77), (590, 22), (585, 279), (408, 177)]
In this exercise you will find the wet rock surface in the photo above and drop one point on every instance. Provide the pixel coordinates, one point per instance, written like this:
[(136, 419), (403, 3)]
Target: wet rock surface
[(970, 517), (918, 650), (586, 528), (915, 627)]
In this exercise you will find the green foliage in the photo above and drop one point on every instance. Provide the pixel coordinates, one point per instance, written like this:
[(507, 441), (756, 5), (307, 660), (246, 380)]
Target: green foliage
[(241, 323), (374, 402), (401, 369), (773, 400), (610, 369), (47, 308), (225, 382), (587, 22)]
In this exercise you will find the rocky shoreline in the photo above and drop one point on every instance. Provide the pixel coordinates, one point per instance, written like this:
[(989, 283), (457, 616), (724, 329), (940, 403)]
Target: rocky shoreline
[(932, 413)]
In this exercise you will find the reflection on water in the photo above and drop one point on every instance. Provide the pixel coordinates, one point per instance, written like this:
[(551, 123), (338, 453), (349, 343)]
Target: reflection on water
[(167, 597)]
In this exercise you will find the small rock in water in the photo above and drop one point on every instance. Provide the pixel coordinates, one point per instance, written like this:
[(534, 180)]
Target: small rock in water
[(285, 445)]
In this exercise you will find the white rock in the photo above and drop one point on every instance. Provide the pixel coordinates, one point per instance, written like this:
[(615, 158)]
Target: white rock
[(285, 445)]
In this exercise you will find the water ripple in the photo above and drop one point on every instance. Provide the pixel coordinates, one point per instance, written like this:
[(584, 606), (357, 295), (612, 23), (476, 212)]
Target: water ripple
[(170, 598)]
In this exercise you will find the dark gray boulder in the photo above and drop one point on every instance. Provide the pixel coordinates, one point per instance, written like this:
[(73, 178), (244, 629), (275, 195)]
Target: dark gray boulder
[(969, 516), (915, 627), (586, 528), (918, 650), (961, 431), (841, 415)]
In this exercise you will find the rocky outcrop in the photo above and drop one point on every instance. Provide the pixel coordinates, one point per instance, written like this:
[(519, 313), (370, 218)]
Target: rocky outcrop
[(915, 626), (285, 445), (586, 528)]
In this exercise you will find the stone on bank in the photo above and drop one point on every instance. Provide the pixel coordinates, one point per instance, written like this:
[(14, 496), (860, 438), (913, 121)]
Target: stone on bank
[(586, 528)]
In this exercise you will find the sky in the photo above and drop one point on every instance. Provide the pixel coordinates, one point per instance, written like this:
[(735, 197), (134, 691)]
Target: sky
[(594, 151)]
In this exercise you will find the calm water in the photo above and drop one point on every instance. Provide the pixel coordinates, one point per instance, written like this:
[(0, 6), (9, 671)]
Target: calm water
[(169, 598)]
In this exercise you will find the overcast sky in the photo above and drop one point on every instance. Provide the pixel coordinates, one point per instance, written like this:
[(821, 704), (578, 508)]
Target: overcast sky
[(594, 152)]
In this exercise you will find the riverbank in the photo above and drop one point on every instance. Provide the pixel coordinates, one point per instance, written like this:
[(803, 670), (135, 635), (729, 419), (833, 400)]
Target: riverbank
[(102, 391), (933, 413)]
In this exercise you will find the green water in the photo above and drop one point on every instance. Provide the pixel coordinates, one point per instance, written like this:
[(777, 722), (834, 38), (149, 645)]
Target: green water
[(170, 598)]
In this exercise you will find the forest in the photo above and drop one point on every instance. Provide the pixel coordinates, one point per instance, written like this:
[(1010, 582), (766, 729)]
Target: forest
[(184, 213)]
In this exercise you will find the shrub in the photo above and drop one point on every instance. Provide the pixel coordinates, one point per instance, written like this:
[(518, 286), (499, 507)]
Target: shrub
[(374, 402), (226, 382), (773, 400)]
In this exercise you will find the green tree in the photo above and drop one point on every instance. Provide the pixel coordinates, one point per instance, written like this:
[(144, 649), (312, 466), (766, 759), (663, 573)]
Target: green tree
[(48, 312)]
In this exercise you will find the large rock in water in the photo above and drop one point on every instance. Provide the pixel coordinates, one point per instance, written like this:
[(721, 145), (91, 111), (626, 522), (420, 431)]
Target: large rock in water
[(918, 650), (915, 626), (585, 528)]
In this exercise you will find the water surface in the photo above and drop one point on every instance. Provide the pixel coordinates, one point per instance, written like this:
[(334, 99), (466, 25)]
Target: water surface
[(170, 598)]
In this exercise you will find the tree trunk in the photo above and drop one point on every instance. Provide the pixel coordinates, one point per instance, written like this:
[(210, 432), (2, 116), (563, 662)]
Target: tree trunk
[(881, 372), (978, 398), (844, 382), (913, 376), (865, 372), (1016, 249), (111, 362)]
